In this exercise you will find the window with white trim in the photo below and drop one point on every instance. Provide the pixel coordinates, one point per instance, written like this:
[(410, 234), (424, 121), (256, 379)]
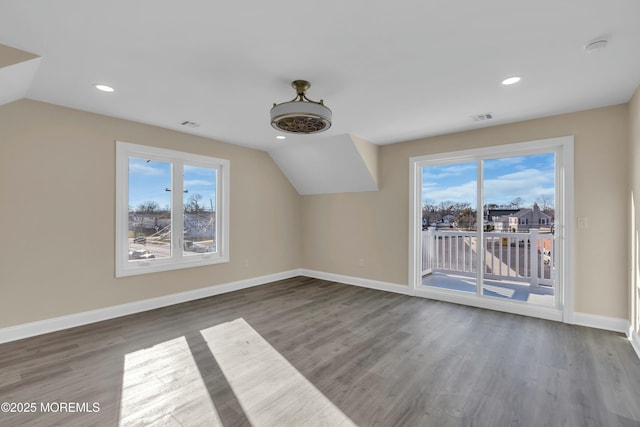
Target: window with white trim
[(172, 209)]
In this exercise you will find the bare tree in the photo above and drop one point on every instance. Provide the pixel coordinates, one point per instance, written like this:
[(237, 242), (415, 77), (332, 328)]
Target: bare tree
[(466, 218), (545, 202), (429, 214), (517, 203), (149, 207), (446, 207), (432, 213), (193, 205)]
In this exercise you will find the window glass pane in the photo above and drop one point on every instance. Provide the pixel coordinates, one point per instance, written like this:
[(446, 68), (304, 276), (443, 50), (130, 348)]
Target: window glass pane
[(519, 214), (149, 230), (200, 209), (449, 226)]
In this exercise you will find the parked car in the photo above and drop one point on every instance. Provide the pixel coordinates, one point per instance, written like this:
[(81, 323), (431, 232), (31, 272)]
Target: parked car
[(140, 239), (140, 254), (196, 247)]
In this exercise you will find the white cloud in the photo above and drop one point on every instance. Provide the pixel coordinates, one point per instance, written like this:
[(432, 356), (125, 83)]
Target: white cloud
[(144, 169), (504, 162), (464, 193), (439, 172), (198, 183), (528, 184)]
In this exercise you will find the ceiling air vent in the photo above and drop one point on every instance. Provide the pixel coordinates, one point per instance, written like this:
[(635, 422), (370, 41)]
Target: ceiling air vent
[(189, 124), (482, 117)]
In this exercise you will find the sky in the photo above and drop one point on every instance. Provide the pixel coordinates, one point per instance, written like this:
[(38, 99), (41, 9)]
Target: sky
[(148, 181), (505, 179)]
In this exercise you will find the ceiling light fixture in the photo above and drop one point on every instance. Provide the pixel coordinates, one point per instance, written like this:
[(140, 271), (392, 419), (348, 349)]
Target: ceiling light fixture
[(281, 137), (511, 80), (103, 88), (301, 115)]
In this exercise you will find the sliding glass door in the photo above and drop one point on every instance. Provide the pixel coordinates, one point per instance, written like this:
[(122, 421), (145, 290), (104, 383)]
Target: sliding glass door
[(518, 220), (489, 224), (449, 226)]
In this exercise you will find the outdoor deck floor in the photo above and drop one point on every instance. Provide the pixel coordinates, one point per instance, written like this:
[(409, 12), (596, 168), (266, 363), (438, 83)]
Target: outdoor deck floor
[(514, 291)]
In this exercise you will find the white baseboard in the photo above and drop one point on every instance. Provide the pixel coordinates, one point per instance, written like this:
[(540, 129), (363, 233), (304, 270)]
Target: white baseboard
[(601, 322), (14, 333), (634, 339), (357, 281), (583, 319)]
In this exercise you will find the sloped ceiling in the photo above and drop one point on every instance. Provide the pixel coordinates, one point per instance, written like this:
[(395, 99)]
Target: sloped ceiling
[(339, 164), (17, 70)]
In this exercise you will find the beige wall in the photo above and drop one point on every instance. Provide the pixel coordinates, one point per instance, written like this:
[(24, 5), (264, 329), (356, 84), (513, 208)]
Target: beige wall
[(57, 214), (339, 231), (11, 56), (57, 192), (634, 235)]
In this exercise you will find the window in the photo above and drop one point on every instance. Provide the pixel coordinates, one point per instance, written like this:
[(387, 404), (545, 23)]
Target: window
[(171, 209)]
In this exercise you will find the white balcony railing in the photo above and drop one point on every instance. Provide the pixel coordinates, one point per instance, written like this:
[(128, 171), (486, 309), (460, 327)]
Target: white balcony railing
[(519, 257)]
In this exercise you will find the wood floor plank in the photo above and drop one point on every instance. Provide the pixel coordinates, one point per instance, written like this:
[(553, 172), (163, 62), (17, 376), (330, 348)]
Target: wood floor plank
[(379, 359)]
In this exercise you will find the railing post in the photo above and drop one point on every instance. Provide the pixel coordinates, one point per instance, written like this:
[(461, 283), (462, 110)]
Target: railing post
[(427, 252), (533, 254)]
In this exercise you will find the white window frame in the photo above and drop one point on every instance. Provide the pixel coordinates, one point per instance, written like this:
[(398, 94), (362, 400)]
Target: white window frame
[(563, 148), (178, 259)]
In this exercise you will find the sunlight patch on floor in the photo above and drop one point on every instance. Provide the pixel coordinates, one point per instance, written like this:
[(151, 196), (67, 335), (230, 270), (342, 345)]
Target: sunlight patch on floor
[(269, 389), (500, 291), (162, 385)]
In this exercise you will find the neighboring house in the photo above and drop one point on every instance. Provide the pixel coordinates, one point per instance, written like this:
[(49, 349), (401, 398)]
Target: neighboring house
[(501, 223), (491, 215), (448, 219), (434, 221), (521, 220), (527, 219), (499, 218)]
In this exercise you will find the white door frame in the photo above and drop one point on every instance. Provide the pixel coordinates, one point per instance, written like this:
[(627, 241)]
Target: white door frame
[(563, 148)]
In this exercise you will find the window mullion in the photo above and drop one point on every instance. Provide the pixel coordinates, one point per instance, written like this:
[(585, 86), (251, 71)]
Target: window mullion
[(220, 216), (177, 204), (480, 227)]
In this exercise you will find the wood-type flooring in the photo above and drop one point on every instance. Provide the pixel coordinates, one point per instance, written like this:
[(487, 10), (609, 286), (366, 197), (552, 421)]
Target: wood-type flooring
[(308, 352)]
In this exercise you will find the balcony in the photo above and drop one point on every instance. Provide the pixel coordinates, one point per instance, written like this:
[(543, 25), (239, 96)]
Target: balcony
[(516, 266)]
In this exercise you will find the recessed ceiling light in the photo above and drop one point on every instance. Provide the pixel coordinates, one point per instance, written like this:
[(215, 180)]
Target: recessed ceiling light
[(511, 80), (190, 124), (281, 137), (596, 46), (103, 88)]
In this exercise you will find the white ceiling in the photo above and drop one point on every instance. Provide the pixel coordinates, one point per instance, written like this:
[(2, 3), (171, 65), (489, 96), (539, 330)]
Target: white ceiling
[(389, 70)]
